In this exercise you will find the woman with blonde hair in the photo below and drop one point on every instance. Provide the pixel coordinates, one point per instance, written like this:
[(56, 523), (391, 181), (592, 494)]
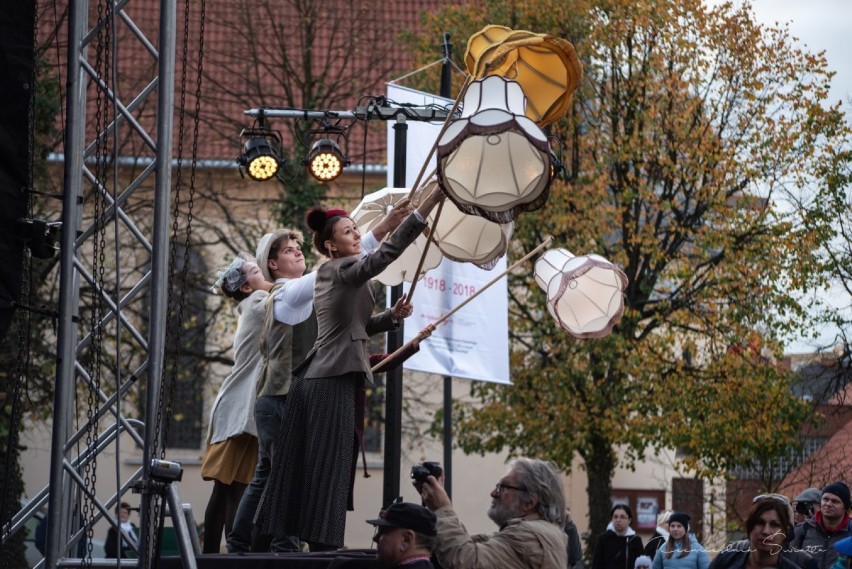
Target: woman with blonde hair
[(661, 534)]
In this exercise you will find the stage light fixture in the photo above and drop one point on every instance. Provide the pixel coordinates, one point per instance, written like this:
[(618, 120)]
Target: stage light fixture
[(325, 160), (261, 156)]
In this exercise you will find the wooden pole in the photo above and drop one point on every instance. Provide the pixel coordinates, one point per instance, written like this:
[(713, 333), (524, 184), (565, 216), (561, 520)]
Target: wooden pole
[(410, 347)]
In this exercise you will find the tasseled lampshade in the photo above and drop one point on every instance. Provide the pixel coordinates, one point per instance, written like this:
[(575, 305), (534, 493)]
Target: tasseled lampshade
[(493, 161), (584, 294), (369, 212)]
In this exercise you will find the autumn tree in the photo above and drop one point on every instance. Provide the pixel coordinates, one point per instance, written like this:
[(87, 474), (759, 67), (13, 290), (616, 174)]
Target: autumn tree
[(692, 136)]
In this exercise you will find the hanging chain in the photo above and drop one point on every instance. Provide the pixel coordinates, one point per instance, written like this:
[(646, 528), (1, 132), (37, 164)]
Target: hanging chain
[(169, 379), (102, 160)]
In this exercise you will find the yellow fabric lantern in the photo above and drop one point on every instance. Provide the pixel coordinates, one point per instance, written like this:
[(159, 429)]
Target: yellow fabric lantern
[(546, 67)]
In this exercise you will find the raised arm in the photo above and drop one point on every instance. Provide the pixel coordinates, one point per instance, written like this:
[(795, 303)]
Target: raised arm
[(293, 302), (391, 221)]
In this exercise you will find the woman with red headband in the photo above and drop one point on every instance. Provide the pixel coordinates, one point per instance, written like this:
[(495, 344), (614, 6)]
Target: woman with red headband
[(311, 485)]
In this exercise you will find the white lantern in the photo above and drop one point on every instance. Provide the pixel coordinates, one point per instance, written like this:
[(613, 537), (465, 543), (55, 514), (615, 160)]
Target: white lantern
[(467, 238), (493, 161), (584, 294), (369, 212)]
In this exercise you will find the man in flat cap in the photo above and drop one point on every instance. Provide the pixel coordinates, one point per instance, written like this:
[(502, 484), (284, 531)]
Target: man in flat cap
[(405, 536), (806, 504)]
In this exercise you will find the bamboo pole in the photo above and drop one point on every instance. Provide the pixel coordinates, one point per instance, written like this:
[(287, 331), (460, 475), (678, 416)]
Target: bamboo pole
[(410, 347), (444, 127)]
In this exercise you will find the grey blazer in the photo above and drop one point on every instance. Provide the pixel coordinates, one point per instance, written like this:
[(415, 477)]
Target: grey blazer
[(343, 300)]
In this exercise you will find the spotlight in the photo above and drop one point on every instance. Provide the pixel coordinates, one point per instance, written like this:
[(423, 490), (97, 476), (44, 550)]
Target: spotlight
[(261, 157), (40, 236), (165, 470), (325, 160)]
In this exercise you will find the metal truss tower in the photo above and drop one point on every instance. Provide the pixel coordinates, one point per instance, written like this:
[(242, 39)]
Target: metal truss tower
[(112, 220)]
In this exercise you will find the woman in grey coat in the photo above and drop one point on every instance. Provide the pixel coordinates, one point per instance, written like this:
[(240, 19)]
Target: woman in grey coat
[(231, 452)]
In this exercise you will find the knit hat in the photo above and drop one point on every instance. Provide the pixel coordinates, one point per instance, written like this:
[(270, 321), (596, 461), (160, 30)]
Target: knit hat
[(840, 490), (810, 495), (681, 518), (643, 561), (408, 516)]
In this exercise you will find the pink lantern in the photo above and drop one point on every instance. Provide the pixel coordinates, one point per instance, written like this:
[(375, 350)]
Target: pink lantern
[(584, 294)]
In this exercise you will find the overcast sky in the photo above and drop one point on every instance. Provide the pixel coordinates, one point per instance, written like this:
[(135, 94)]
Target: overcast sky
[(818, 25)]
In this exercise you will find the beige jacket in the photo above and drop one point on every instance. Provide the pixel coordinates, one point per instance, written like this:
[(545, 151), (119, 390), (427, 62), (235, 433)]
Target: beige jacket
[(521, 544)]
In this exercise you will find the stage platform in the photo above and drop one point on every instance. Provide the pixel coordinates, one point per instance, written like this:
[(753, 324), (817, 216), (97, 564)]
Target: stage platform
[(348, 559)]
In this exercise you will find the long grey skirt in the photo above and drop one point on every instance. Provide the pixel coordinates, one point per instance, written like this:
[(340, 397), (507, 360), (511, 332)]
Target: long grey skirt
[(310, 485)]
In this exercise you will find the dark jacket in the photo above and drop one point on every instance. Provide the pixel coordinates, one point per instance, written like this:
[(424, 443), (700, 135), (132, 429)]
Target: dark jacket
[(613, 551), (575, 550), (798, 556), (656, 541), (111, 544), (811, 536), (737, 560)]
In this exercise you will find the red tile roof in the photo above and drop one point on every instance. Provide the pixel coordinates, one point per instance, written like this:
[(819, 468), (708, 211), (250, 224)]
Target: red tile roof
[(253, 54)]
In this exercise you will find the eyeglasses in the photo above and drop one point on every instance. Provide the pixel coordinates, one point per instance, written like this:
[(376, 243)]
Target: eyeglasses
[(502, 487)]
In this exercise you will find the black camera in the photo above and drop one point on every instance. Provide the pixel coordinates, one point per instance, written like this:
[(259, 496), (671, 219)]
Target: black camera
[(419, 472)]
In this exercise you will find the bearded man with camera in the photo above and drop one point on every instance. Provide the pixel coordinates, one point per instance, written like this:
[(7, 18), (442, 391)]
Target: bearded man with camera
[(528, 504)]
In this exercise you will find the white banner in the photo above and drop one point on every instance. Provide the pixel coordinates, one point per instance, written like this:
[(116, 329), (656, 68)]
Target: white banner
[(474, 342)]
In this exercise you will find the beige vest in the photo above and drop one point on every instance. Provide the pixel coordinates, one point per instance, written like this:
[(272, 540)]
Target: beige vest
[(282, 346)]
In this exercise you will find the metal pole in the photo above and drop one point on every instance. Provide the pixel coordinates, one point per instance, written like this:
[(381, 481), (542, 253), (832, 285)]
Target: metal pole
[(393, 378), (185, 534), (159, 259), (446, 82), (59, 511)]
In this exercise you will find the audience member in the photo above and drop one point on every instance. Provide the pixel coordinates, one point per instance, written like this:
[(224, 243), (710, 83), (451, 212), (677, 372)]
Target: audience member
[(129, 535), (405, 534), (681, 550), (619, 546), (575, 549), (661, 534), (828, 526), (767, 525), (844, 548), (528, 505), (799, 557), (806, 505)]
